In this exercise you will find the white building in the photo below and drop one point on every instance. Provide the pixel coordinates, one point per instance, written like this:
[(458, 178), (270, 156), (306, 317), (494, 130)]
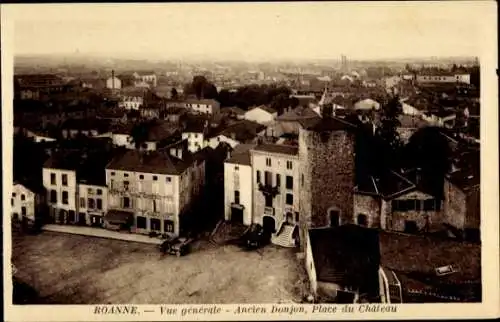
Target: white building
[(39, 136), (131, 102), (93, 203), (276, 190), (147, 78), (150, 192), (367, 104), (203, 106), (261, 114), (59, 180), (445, 78), (238, 186), (195, 134), (24, 202), (113, 83)]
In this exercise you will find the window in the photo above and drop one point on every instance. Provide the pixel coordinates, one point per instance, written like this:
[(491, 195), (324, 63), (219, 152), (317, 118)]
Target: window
[(125, 185), (289, 165), (258, 176), (99, 192), (155, 178), (429, 205), (237, 197), (12, 201), (278, 180), (268, 179), (168, 179), (113, 173), (53, 196), (23, 197), (154, 206), (141, 177), (141, 222), (334, 218), (236, 168), (52, 178), (23, 211), (168, 226), (91, 203), (268, 200), (302, 179), (126, 202), (99, 204), (125, 175), (65, 198), (268, 162), (362, 220), (13, 195), (155, 224), (82, 202), (64, 179), (289, 182), (289, 199)]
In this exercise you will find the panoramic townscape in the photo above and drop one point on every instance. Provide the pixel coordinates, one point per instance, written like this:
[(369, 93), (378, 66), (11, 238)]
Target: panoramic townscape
[(195, 181)]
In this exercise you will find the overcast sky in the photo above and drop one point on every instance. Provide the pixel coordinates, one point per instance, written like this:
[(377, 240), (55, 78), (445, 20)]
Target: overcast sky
[(253, 31)]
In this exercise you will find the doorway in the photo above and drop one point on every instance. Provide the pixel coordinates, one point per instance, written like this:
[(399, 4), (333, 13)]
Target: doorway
[(269, 224), (411, 227), (236, 215), (289, 218), (81, 219), (334, 218)]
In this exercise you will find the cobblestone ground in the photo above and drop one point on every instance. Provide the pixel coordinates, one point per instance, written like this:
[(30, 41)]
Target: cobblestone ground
[(71, 269)]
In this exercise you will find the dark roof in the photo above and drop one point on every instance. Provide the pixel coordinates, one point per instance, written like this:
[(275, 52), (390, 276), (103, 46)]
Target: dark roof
[(194, 125), (67, 160), (202, 101), (465, 180), (347, 255), (388, 186), (242, 131), (265, 108), (414, 259), (160, 162), (233, 110), (298, 113), (241, 154), (277, 148), (100, 125), (161, 131), (111, 113), (328, 124), (91, 170)]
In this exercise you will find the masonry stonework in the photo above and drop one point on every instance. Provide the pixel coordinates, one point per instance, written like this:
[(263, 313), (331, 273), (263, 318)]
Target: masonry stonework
[(327, 176)]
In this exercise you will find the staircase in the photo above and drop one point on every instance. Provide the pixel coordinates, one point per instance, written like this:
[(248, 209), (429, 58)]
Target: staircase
[(284, 237)]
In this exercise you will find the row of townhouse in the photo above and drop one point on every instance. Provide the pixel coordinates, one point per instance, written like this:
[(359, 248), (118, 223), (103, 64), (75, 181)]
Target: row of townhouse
[(137, 191), (312, 185)]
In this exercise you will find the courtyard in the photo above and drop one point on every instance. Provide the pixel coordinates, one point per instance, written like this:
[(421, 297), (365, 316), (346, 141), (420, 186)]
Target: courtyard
[(74, 269)]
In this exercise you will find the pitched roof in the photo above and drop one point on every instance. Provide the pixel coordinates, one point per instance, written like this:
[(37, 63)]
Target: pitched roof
[(233, 109), (348, 255), (161, 130), (466, 179), (202, 101), (277, 148), (299, 112), (414, 259), (388, 186), (264, 108), (328, 124), (160, 162), (241, 154), (241, 131)]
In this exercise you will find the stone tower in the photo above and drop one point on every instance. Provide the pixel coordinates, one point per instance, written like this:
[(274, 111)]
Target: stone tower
[(326, 154)]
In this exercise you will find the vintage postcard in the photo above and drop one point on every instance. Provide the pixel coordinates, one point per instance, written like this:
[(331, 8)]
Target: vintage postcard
[(250, 161)]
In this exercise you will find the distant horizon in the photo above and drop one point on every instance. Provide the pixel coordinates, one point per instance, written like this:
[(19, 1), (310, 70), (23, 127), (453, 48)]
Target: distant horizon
[(291, 31)]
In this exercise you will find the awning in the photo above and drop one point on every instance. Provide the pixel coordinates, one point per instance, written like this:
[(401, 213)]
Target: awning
[(118, 216)]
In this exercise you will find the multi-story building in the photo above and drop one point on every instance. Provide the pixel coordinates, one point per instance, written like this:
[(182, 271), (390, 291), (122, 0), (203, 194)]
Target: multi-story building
[(37, 86), (59, 180), (327, 169), (203, 106), (238, 185), (26, 202), (275, 182), (153, 191), (149, 78)]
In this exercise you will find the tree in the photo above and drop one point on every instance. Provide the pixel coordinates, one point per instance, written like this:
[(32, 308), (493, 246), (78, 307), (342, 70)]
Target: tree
[(389, 122), (201, 88), (139, 134), (173, 93), (428, 150)]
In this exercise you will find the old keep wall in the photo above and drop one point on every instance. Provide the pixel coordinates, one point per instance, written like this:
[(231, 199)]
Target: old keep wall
[(327, 163)]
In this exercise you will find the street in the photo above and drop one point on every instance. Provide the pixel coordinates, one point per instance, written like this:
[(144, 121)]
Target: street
[(72, 269)]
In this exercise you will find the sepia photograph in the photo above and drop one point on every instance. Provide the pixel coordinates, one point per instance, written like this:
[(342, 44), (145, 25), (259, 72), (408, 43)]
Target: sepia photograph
[(295, 155)]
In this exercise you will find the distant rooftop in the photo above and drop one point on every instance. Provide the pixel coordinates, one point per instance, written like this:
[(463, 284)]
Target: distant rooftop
[(277, 148)]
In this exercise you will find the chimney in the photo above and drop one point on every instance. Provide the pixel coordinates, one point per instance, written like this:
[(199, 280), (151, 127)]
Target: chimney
[(113, 79), (418, 175)]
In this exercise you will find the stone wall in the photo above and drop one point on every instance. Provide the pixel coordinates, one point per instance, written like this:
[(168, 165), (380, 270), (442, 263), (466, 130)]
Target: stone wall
[(327, 164), (369, 206)]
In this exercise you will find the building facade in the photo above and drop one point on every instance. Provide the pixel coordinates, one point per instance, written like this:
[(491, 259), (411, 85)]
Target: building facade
[(150, 192), (61, 187)]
